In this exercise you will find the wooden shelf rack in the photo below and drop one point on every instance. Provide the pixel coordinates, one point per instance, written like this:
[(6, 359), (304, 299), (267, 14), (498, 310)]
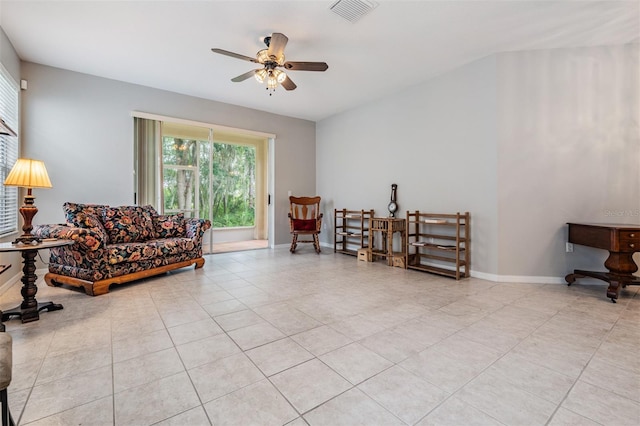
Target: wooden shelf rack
[(439, 243), (351, 230)]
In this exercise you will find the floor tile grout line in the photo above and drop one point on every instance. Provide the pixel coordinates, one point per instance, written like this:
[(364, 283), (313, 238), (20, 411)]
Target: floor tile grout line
[(33, 386), (352, 386), (584, 368), (593, 354), (454, 393), (186, 371), (291, 367), (113, 373)]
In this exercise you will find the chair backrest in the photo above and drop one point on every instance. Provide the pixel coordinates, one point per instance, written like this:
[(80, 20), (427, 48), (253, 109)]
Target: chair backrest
[(304, 207)]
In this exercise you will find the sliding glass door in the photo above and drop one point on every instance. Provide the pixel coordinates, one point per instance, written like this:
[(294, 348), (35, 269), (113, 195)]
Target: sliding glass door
[(182, 168), (218, 176)]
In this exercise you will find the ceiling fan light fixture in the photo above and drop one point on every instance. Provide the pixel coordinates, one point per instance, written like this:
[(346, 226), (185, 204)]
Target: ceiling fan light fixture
[(263, 56), (260, 75), (272, 81), (280, 76)]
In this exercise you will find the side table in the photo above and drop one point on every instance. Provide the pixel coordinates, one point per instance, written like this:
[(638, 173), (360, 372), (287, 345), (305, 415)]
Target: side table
[(29, 309), (387, 226)]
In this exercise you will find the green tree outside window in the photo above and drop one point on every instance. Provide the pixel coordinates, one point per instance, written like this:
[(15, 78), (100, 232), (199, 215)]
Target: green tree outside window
[(187, 173)]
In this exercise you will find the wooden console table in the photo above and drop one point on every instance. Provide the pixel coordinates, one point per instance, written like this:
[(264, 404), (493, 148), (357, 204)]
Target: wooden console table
[(622, 241), (29, 309)]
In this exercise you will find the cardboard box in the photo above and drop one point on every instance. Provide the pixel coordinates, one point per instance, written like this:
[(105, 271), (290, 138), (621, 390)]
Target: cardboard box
[(399, 261), (364, 255)]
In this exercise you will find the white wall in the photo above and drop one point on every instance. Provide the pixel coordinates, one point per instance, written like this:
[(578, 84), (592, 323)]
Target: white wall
[(525, 141), (569, 151), (437, 141), (8, 56), (81, 126)]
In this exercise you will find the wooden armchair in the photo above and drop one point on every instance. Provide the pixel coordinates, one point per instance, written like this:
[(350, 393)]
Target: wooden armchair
[(305, 219)]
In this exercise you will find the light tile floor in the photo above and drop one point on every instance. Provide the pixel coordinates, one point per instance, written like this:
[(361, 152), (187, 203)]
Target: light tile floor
[(266, 337)]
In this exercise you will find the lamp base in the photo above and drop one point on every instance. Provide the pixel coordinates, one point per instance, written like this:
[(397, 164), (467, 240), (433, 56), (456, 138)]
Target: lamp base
[(28, 211), (27, 239)]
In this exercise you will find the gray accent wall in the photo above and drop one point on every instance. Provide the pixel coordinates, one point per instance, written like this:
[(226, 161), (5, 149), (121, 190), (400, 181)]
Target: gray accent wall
[(8, 56), (524, 141), (437, 141), (81, 126), (568, 151)]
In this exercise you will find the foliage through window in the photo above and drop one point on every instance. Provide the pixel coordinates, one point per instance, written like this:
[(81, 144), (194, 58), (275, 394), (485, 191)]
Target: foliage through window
[(203, 179)]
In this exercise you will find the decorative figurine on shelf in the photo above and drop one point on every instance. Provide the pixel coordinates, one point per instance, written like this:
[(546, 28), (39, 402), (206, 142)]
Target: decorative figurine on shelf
[(393, 205)]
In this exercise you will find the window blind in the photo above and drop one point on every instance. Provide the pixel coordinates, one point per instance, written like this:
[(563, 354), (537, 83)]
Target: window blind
[(9, 92)]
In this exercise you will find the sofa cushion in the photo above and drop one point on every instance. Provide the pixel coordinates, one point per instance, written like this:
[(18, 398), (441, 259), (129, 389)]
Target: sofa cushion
[(90, 221), (138, 251), (168, 226), (127, 224), (75, 213)]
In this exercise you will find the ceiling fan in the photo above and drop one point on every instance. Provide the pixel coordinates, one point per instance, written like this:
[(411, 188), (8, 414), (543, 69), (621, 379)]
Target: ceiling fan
[(272, 58)]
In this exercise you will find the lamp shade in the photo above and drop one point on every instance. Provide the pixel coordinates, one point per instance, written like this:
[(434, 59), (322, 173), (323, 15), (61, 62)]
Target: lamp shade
[(28, 173)]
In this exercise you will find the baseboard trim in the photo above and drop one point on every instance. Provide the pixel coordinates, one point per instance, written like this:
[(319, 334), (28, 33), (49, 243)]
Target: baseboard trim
[(10, 282), (17, 277), (518, 278), (530, 279)]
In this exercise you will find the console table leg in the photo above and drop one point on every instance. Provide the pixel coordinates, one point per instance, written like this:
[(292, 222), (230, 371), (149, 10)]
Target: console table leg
[(613, 290)]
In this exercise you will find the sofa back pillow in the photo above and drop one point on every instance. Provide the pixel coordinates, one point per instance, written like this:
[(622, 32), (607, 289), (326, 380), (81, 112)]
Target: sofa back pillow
[(90, 221), (127, 224), (75, 213), (150, 209), (169, 226)]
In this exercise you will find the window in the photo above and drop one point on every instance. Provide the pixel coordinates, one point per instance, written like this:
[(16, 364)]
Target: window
[(215, 174), (8, 152), (191, 166)]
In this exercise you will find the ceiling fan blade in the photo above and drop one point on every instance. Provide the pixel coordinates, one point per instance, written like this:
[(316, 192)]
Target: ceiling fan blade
[(288, 84), (306, 66), (234, 55), (243, 77), (277, 44)]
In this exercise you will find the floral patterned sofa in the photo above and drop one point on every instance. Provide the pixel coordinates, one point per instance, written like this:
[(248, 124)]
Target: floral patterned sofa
[(116, 245)]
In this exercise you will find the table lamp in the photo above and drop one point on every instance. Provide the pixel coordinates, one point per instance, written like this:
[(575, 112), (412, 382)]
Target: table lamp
[(28, 173)]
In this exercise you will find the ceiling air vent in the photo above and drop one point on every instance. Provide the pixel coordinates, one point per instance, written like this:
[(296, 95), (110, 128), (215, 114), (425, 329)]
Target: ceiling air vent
[(352, 10)]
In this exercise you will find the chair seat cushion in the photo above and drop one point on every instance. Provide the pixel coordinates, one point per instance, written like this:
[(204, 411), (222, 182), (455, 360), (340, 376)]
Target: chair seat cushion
[(134, 252), (5, 360), (304, 224)]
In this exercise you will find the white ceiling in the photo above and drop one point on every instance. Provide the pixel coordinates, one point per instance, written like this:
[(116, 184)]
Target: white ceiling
[(166, 44)]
